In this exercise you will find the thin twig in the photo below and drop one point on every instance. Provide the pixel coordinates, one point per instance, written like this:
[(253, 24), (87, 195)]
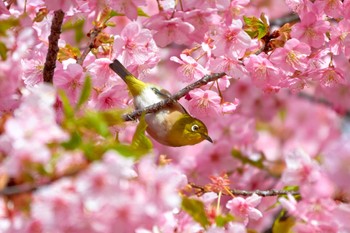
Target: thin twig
[(92, 34), (155, 107), (237, 192), (324, 102), (51, 57)]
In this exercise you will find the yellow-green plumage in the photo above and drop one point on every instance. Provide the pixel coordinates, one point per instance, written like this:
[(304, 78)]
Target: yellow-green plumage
[(171, 126)]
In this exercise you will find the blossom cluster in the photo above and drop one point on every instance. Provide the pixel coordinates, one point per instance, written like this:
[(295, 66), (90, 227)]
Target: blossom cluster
[(278, 118)]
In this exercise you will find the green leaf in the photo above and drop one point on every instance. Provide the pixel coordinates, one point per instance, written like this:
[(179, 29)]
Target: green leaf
[(196, 210), (94, 121), (67, 107), (77, 26), (7, 24), (73, 143), (3, 51), (292, 188), (85, 93), (222, 220), (140, 12), (113, 116), (256, 163), (256, 28)]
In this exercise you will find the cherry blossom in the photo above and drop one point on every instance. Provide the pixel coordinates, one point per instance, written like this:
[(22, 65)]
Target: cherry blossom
[(294, 56), (169, 29), (311, 30), (190, 69), (278, 118), (245, 208), (231, 41)]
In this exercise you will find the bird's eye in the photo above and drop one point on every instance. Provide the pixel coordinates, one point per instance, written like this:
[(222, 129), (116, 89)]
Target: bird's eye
[(195, 127)]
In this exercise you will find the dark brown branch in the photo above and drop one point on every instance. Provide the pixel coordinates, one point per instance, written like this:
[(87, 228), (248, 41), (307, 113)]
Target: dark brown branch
[(31, 187), (263, 193), (279, 22), (51, 57), (155, 107), (92, 34)]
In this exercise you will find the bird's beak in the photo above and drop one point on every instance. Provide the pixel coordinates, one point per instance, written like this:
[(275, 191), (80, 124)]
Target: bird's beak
[(206, 137)]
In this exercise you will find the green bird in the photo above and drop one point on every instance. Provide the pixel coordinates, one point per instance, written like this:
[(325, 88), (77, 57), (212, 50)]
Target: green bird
[(172, 125)]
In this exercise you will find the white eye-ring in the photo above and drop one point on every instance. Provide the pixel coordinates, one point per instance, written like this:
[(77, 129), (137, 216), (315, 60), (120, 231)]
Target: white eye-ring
[(195, 127)]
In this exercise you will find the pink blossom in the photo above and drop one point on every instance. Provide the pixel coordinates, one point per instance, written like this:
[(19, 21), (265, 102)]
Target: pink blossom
[(336, 162), (3, 9), (312, 215), (111, 97), (100, 72), (332, 8), (64, 5), (311, 30), (169, 29), (128, 7), (30, 129), (245, 208), (293, 56), (300, 169), (328, 77), (136, 47), (9, 83), (202, 20), (232, 67), (190, 69), (33, 68), (204, 103), (231, 41), (340, 37), (229, 107), (346, 9), (70, 80), (264, 74)]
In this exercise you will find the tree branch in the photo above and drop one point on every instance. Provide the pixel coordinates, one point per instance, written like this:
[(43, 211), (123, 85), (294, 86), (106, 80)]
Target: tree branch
[(92, 34), (31, 187), (279, 22), (51, 56), (263, 193), (324, 102), (155, 107)]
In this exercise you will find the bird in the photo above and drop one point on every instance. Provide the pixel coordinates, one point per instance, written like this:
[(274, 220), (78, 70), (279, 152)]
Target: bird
[(172, 125)]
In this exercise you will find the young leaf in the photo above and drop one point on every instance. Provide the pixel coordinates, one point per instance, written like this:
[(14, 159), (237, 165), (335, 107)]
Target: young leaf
[(196, 210), (256, 28), (73, 142), (94, 121), (140, 12), (3, 51), (6, 24), (222, 220), (67, 107), (85, 92), (256, 163)]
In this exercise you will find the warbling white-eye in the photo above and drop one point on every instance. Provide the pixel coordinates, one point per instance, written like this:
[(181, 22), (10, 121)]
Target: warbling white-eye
[(172, 125)]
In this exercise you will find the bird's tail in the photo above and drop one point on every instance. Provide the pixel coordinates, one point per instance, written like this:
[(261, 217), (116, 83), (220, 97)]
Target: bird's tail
[(135, 86), (118, 67)]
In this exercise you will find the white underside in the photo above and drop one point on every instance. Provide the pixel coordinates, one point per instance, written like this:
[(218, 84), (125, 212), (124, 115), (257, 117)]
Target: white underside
[(155, 121)]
